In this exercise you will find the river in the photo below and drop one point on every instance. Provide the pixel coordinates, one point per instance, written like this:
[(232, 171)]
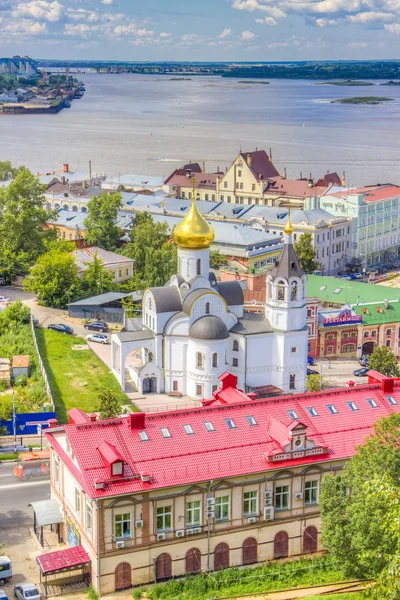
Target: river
[(150, 124)]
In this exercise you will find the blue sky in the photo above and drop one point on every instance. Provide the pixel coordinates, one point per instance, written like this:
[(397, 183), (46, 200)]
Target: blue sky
[(218, 30)]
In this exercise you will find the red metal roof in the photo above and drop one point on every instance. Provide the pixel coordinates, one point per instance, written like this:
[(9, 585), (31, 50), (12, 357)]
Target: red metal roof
[(224, 452), (261, 165), (63, 560), (20, 361), (372, 193)]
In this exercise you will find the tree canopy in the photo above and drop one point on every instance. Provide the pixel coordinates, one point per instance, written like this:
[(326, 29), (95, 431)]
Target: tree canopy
[(22, 216), (360, 511), (109, 404), (100, 223), (217, 259), (306, 253), (7, 171), (96, 279), (384, 361)]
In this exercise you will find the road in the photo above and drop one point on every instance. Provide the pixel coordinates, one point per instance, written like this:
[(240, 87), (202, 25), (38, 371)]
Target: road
[(15, 495)]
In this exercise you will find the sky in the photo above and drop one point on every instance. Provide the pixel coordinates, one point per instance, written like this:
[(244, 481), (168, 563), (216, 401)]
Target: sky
[(209, 30)]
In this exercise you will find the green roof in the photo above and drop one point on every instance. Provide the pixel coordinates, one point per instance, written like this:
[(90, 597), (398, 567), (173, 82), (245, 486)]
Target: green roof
[(344, 291), (377, 313)]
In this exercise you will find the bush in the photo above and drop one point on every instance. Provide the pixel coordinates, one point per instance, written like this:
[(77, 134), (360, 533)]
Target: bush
[(3, 385), (21, 381), (92, 593)]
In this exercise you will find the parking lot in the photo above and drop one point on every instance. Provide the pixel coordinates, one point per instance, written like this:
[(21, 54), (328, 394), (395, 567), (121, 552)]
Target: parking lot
[(336, 373)]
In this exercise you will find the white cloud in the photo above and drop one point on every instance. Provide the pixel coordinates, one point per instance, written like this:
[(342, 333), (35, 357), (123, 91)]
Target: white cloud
[(191, 38), (40, 9), (144, 32), (247, 35), (107, 1), (370, 17), (358, 45), (253, 5), (325, 22), (164, 35), (393, 28), (77, 14), (267, 21), (225, 34), (79, 30), (26, 28)]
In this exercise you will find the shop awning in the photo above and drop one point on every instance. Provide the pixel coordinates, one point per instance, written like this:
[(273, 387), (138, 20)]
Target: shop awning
[(47, 512), (63, 560)]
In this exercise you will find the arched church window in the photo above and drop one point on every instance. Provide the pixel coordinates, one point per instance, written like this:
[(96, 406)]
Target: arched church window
[(292, 382), (199, 360), (293, 290), (187, 269), (149, 302), (198, 269), (281, 291), (207, 308), (150, 357), (215, 360), (235, 346)]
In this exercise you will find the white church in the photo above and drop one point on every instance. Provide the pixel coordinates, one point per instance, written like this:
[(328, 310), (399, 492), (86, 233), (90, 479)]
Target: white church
[(194, 328)]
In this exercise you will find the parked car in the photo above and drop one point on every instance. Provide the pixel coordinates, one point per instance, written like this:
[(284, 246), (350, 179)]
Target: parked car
[(358, 275), (35, 320), (311, 372), (361, 372), (27, 591), (347, 277), (4, 299), (3, 595), (97, 326), (61, 328), (5, 569), (98, 337), (363, 361)]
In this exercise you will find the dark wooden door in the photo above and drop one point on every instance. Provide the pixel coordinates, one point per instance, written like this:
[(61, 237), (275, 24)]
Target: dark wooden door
[(281, 545), (146, 386), (310, 540), (249, 551), (193, 561), (221, 556), (163, 567), (153, 385), (123, 576)]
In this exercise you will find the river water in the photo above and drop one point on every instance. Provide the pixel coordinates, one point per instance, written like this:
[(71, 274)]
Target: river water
[(150, 124)]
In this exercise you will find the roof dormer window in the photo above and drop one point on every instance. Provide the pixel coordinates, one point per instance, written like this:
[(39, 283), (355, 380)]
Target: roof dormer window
[(117, 468)]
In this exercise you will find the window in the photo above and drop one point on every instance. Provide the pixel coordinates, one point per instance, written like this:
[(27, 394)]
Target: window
[(198, 268), (188, 429), (230, 423), (56, 471), (391, 400), (229, 198), (165, 432), (352, 406), (222, 508), (388, 342), (77, 500), (199, 389), (199, 360), (349, 348), (89, 517), (251, 420), (292, 414), (143, 436), (126, 271), (117, 468), (281, 292), (309, 313), (193, 513), (214, 388), (207, 308), (366, 334), (311, 492), (164, 518), (119, 272), (239, 173), (282, 494), (372, 403), (332, 409), (208, 425), (175, 386), (373, 333), (215, 360), (337, 291), (311, 411), (293, 290), (253, 187), (388, 332), (235, 362), (292, 382), (330, 350), (250, 503), (294, 349), (122, 526), (235, 346)]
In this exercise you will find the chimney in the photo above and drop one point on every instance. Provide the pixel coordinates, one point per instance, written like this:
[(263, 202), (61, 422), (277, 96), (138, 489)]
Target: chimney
[(92, 417), (52, 423), (387, 385), (66, 168), (99, 484), (137, 420), (145, 477), (248, 159), (284, 173)]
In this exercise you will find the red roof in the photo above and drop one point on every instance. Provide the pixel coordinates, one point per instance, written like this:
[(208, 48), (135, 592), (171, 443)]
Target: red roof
[(371, 193), (182, 459), (63, 560), (261, 165), (21, 361), (203, 180), (109, 453)]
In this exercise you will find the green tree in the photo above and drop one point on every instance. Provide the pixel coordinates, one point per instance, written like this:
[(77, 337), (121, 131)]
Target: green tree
[(54, 278), (100, 223), (22, 216), (314, 383), (96, 279), (109, 406), (360, 509), (15, 314), (384, 361), (217, 259), (7, 171), (306, 253), (155, 257)]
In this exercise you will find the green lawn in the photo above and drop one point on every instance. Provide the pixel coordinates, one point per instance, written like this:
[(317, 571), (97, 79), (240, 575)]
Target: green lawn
[(67, 369)]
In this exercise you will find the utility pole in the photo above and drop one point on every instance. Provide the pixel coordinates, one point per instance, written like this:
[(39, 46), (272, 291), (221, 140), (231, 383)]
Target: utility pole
[(14, 421)]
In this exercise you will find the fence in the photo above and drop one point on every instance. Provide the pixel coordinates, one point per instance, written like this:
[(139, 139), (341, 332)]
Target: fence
[(43, 370), (27, 423)]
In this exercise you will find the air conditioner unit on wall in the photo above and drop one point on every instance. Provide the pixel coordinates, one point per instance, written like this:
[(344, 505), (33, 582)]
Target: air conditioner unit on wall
[(197, 530), (269, 513), (252, 520), (210, 514), (139, 523), (180, 533), (120, 544), (298, 495), (210, 501), (161, 537), (267, 498)]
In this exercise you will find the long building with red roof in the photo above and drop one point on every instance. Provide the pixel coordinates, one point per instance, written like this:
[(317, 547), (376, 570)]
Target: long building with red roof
[(233, 482)]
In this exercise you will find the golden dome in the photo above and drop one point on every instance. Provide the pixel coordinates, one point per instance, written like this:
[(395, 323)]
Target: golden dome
[(193, 231), (288, 229)]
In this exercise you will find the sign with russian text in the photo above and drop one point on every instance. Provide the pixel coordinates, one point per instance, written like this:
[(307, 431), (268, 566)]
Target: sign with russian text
[(344, 317)]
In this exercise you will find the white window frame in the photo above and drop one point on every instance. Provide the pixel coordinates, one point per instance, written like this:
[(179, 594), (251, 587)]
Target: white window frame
[(89, 518), (250, 503), (164, 513), (193, 513), (282, 497), (77, 501), (222, 508), (121, 520), (311, 492)]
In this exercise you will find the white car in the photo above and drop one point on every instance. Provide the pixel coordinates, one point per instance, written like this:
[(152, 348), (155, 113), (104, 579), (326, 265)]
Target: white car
[(27, 591), (4, 299), (98, 337)]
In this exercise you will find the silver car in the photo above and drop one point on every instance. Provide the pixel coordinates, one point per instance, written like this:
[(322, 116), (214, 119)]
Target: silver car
[(98, 337), (27, 591)]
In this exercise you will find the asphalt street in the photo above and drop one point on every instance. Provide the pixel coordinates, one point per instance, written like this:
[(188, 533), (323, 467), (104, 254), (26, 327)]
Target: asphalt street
[(15, 495)]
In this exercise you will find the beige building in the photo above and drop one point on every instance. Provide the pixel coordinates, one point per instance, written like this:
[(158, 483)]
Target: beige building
[(235, 482), (120, 267)]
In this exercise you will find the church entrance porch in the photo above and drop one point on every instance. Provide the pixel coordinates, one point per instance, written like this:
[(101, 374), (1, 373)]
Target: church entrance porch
[(132, 344)]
